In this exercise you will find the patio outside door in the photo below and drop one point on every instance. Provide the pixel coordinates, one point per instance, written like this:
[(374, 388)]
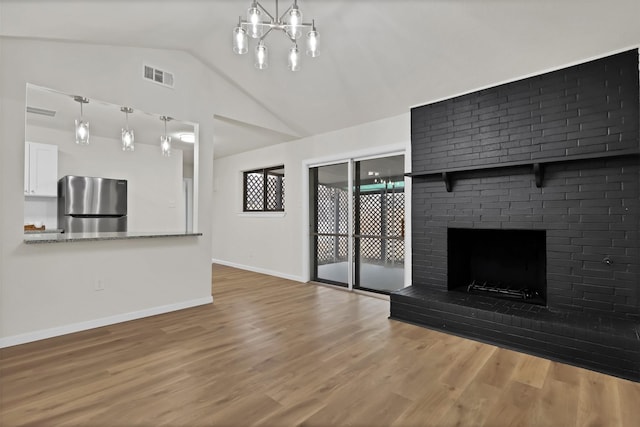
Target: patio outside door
[(379, 224), (357, 224), (330, 223)]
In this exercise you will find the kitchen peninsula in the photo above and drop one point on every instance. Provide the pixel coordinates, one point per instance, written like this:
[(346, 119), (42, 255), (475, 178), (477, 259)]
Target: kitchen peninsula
[(32, 238)]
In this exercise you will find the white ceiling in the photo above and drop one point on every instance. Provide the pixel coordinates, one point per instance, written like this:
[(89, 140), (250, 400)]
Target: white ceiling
[(378, 57)]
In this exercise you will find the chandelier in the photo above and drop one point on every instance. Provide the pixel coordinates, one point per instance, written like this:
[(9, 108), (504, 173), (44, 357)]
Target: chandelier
[(260, 23)]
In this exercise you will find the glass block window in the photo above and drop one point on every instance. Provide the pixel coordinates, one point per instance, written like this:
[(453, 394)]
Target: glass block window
[(264, 190)]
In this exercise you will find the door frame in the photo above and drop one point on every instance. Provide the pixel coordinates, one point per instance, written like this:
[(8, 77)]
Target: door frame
[(350, 158)]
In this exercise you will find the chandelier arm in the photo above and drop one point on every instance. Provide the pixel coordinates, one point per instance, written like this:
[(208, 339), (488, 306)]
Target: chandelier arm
[(303, 25), (265, 11), (265, 34), (284, 14)]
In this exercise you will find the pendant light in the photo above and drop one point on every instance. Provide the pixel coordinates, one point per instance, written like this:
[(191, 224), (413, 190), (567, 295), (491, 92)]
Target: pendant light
[(165, 141), (127, 134), (82, 126)]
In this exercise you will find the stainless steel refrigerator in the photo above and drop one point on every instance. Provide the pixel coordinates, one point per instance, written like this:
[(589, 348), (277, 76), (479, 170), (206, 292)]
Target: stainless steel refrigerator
[(87, 204)]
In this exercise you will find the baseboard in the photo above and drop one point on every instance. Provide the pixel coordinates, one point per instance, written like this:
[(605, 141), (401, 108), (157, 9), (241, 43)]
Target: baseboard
[(97, 323), (259, 270)]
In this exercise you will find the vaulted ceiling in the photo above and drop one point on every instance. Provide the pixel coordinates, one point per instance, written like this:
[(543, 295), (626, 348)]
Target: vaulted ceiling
[(378, 57)]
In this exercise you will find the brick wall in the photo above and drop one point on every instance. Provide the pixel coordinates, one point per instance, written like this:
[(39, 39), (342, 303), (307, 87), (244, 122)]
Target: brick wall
[(588, 108), (589, 207)]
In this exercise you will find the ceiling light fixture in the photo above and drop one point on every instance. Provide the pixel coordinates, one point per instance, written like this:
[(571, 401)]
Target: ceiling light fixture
[(127, 135), (82, 127), (165, 141), (189, 138), (290, 23)]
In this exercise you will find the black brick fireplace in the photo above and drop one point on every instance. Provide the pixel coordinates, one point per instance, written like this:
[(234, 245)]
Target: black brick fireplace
[(533, 187)]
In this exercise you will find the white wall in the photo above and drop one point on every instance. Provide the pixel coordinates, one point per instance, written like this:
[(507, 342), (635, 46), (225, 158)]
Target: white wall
[(154, 182), (187, 170), (48, 289), (275, 243)]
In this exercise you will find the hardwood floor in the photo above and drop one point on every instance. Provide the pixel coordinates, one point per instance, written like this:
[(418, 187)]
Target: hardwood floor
[(278, 353)]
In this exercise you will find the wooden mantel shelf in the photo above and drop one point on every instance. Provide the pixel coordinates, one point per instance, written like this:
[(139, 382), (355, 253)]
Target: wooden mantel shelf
[(537, 166)]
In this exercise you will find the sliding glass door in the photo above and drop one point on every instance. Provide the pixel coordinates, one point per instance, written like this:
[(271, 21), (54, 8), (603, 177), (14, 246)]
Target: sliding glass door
[(357, 223), (330, 223), (379, 224)]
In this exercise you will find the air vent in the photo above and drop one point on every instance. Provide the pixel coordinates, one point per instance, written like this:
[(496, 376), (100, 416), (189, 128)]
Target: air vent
[(156, 75), (41, 111)]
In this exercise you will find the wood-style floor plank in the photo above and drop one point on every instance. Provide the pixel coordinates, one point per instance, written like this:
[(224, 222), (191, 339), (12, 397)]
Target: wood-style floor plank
[(272, 352)]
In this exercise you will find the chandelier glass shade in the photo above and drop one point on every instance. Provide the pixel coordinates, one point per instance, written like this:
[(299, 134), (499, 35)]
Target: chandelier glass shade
[(313, 39), (262, 56), (82, 126), (260, 23), (240, 41), (294, 58)]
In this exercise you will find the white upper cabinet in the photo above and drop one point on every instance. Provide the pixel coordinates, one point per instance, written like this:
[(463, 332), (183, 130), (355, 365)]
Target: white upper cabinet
[(40, 169)]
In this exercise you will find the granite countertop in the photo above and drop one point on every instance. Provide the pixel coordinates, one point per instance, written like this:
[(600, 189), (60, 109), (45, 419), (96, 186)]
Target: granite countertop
[(48, 231), (31, 238)]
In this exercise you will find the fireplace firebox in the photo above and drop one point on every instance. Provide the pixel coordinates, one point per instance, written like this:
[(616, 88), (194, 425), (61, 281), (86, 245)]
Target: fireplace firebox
[(508, 264)]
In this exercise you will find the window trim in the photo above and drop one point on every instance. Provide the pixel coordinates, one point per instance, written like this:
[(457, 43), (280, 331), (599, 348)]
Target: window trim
[(265, 173)]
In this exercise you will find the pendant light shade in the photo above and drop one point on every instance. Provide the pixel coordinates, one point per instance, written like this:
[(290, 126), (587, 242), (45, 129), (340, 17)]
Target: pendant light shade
[(165, 145), (82, 132), (294, 58), (82, 126), (262, 56), (128, 136), (240, 41), (165, 141), (253, 18), (295, 21), (313, 41)]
